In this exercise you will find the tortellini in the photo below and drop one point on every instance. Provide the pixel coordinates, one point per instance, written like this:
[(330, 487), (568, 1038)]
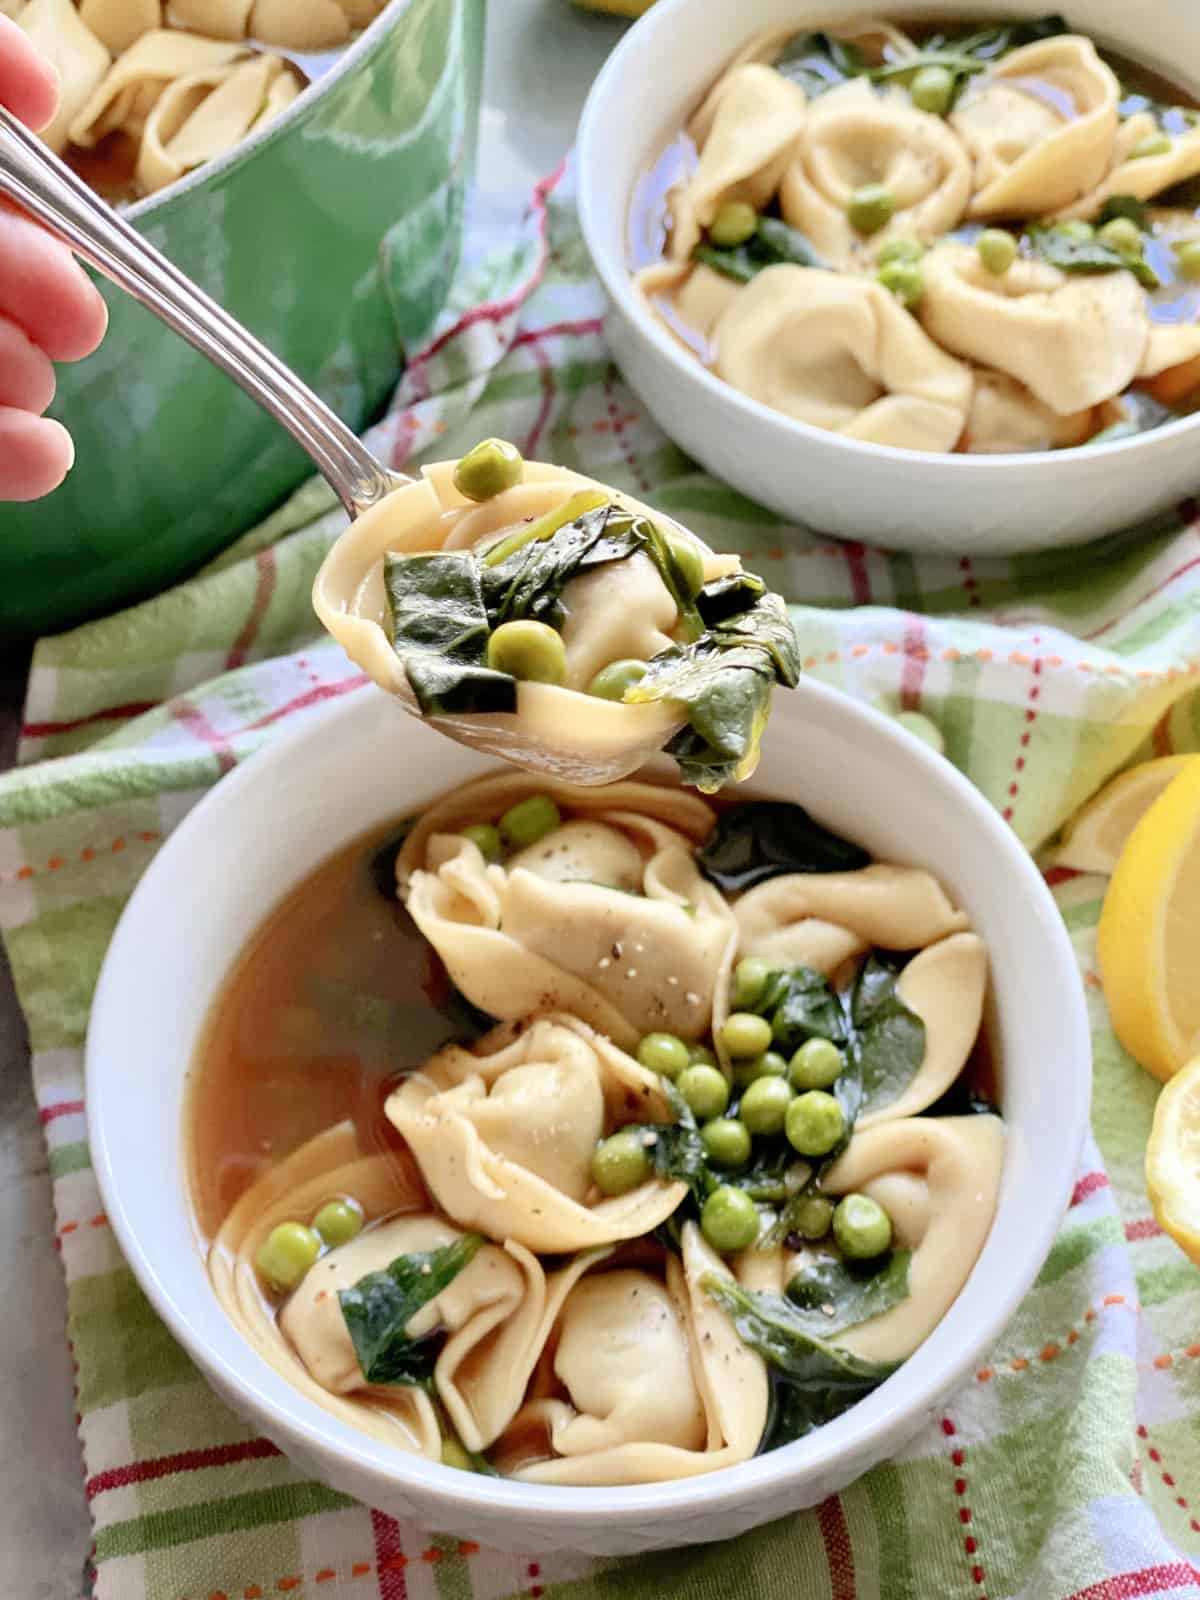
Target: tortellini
[(855, 136), (746, 132), (896, 908), (1038, 324), (657, 1383), (1006, 416), (1039, 127), (841, 353), (1141, 176), (555, 729), (504, 1135), (178, 81), (613, 923)]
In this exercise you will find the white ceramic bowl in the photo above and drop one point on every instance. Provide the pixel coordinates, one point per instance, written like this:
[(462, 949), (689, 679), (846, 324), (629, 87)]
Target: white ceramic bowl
[(265, 827), (900, 499)]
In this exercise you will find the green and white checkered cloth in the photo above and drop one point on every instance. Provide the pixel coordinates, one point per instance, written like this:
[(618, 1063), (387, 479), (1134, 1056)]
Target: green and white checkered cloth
[(1069, 1466)]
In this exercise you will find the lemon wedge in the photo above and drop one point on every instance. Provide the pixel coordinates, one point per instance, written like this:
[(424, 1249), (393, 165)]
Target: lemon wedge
[(1149, 932), (1173, 1160), (1096, 838)]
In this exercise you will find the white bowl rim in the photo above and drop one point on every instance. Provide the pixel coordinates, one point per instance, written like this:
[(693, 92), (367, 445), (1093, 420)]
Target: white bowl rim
[(308, 1427), (618, 283), (300, 109)]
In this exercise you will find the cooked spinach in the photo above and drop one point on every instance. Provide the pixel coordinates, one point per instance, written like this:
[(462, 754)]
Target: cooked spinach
[(887, 1039), (830, 1295), (773, 242), (1059, 247), (727, 658), (819, 62), (378, 1308), (439, 629), (676, 1149), (1124, 205), (808, 1008), (723, 682), (766, 1180), (813, 1381), (768, 838)]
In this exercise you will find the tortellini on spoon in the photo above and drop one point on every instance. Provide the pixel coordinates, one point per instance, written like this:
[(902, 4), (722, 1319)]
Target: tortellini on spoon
[(533, 613)]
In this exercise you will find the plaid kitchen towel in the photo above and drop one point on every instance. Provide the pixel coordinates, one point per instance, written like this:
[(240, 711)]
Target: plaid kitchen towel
[(1069, 1465)]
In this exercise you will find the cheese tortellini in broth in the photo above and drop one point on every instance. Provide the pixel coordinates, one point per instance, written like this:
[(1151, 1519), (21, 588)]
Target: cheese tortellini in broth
[(840, 192)]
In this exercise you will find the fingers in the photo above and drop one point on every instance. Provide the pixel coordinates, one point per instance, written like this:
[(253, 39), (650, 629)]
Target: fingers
[(35, 455), (28, 85), (46, 293), (26, 374)]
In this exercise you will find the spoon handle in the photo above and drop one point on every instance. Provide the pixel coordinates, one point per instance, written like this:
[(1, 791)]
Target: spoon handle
[(37, 181)]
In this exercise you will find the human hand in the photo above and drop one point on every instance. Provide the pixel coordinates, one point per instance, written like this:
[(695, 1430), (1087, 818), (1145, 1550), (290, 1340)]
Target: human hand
[(49, 309)]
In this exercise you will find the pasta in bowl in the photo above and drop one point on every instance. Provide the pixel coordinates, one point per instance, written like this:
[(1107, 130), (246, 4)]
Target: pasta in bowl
[(722, 1159), (537, 615), (329, 1076), (864, 262)]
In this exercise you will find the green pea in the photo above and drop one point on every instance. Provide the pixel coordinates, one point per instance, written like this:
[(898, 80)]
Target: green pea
[(493, 466), (744, 1035), (1078, 230), (997, 250), (871, 208), (485, 836), (690, 561), (899, 248), (620, 1163), (1123, 234), (726, 1141), (764, 1105), (1154, 144), (454, 1455), (768, 1065), (861, 1227), (750, 978), (811, 1216), (733, 224), (816, 1064), (612, 681), (729, 1220), (286, 1254), (905, 280), (339, 1221), (922, 728), (814, 1123), (1187, 260), (664, 1053), (705, 1090), (531, 651), (932, 90), (699, 1055), (530, 820)]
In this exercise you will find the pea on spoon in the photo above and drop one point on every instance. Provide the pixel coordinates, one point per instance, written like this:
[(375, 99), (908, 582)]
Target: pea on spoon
[(487, 596)]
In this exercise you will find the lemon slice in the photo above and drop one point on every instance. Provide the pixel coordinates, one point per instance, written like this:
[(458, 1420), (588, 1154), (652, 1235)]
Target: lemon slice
[(1149, 932), (1173, 1160), (1094, 841)]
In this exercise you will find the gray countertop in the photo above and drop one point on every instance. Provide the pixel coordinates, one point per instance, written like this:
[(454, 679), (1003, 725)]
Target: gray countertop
[(541, 54)]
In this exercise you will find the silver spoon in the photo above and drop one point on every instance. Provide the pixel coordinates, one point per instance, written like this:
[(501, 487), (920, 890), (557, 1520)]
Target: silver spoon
[(37, 181)]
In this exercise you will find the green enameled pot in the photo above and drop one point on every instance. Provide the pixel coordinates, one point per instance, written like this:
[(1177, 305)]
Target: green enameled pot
[(333, 235)]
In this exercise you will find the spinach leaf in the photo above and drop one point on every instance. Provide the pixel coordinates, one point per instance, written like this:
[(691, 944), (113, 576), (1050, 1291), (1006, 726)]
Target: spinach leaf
[(768, 838), (1124, 205), (808, 1009), (813, 1380), (1059, 247), (819, 61), (888, 1039), (725, 597), (764, 1181), (378, 1308), (771, 243), (529, 582), (440, 631), (989, 44), (831, 1295), (723, 681), (676, 1149)]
